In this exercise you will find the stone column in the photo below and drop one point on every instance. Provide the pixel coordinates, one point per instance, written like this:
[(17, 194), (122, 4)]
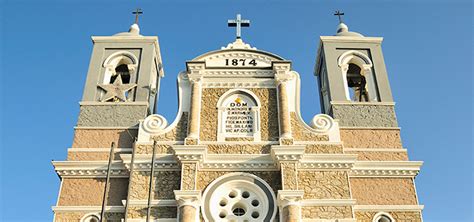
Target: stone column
[(282, 76), (289, 202), (195, 109), (289, 199), (188, 198), (285, 123), (189, 202)]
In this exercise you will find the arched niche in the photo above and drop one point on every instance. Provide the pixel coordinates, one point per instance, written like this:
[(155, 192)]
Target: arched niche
[(355, 61), (120, 63), (238, 115)]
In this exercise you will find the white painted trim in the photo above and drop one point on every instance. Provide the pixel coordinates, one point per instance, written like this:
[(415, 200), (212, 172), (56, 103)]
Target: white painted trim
[(154, 220), (378, 216), (93, 103), (157, 203), (184, 100), (328, 202), (369, 128), (351, 39), (119, 150), (107, 127), (416, 208), (400, 150), (363, 103), (386, 169), (118, 209)]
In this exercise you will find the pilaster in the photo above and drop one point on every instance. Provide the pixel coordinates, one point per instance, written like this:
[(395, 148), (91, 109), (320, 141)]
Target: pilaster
[(195, 77), (188, 198), (289, 199), (282, 76)]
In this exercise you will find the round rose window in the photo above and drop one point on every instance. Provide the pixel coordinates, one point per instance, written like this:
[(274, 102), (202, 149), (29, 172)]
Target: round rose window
[(239, 197)]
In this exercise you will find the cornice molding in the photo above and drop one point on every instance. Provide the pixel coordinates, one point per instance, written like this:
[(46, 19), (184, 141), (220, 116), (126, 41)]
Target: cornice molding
[(117, 209), (328, 202), (89, 169), (388, 207), (386, 169)]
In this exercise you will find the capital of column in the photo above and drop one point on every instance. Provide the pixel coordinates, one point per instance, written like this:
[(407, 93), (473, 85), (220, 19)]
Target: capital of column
[(287, 152), (283, 77), (289, 197), (190, 154), (195, 78), (188, 198)]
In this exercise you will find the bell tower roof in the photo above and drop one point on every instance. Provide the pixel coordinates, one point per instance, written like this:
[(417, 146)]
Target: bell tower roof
[(343, 30)]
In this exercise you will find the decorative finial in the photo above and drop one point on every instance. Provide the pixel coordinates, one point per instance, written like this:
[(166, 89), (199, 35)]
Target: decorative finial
[(238, 23), (137, 13), (339, 14)]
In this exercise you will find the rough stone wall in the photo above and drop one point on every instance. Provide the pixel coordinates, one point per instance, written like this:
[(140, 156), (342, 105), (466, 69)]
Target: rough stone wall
[(148, 149), (383, 191), (268, 113), (302, 134), (363, 115), (290, 180), (155, 212), (399, 216), (326, 212), (83, 192), (90, 156), (188, 179), (324, 184), (118, 115), (273, 178), (238, 149), (165, 182), (371, 138), (323, 149), (77, 216), (380, 156), (179, 133), (102, 138)]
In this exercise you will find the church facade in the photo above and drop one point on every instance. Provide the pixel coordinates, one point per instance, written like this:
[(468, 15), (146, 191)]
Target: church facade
[(238, 149)]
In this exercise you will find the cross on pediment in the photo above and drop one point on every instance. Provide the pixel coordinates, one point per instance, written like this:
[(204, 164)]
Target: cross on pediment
[(238, 23)]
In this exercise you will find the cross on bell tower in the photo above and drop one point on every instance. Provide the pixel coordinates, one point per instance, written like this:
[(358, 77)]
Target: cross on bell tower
[(238, 23), (339, 14), (137, 13)]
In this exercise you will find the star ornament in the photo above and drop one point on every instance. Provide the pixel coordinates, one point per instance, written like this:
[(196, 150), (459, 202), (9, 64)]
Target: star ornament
[(116, 90)]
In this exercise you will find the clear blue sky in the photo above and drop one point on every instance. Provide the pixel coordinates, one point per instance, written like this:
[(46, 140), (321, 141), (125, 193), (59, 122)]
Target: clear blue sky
[(46, 47)]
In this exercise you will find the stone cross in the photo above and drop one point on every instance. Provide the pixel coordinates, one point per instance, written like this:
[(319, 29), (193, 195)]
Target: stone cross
[(137, 13), (339, 14), (238, 23)]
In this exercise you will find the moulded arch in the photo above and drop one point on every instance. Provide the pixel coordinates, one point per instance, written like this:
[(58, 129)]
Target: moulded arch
[(231, 92), (89, 216), (119, 58), (365, 64), (355, 57), (379, 215)]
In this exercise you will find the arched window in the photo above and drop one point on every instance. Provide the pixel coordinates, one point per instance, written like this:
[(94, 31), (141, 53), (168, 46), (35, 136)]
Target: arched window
[(358, 77), (383, 217), (121, 64), (123, 72), (238, 115), (357, 84), (92, 217)]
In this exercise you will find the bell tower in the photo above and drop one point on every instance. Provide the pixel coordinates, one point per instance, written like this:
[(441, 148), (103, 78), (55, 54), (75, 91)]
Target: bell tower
[(123, 80), (353, 81)]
